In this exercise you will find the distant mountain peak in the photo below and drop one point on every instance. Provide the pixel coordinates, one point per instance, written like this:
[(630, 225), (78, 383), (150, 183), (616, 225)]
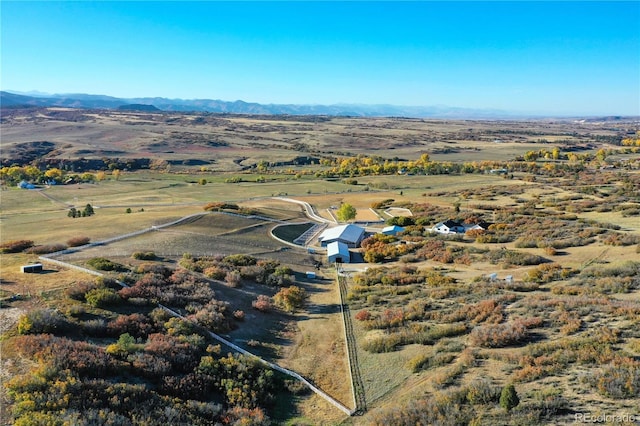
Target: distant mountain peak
[(81, 100)]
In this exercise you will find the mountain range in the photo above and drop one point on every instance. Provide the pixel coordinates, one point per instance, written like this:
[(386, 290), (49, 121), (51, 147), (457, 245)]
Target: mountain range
[(12, 99)]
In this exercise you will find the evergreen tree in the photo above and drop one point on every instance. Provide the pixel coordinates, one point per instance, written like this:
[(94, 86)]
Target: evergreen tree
[(509, 397), (88, 210)]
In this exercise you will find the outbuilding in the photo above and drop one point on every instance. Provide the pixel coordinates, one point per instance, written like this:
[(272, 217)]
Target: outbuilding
[(392, 230), (350, 235), (34, 268), (338, 252)]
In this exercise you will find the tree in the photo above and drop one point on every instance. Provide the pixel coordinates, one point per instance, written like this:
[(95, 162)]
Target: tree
[(346, 212), (88, 177), (55, 174), (509, 397), (88, 210)]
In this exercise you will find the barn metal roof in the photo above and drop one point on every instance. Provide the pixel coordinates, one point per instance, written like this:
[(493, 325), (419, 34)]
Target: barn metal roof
[(350, 233)]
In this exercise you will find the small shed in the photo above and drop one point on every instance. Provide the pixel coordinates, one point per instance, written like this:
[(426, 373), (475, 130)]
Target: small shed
[(392, 230), (34, 268), (338, 252)]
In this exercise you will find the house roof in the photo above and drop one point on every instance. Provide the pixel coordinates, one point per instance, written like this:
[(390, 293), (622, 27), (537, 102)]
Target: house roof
[(392, 228), (350, 233), (450, 223), (337, 247)]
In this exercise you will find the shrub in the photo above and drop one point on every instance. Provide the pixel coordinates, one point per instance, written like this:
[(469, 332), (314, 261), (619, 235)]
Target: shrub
[(481, 392), (125, 345), (15, 246), (137, 325), (262, 303), (41, 321), (619, 381), (155, 268), (215, 272), (102, 297), (620, 239), (139, 255), (213, 316), (78, 241), (363, 315), (218, 206), (498, 335), (240, 260), (383, 343), (239, 315), (232, 278), (78, 291), (44, 249), (103, 264), (95, 327), (290, 298), (424, 361)]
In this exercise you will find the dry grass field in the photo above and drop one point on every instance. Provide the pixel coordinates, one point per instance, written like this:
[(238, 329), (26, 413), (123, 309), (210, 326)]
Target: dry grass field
[(232, 142), (433, 333)]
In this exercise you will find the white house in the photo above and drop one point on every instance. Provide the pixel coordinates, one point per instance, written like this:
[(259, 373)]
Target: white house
[(449, 227), (351, 235), (392, 230), (338, 252), (482, 226)]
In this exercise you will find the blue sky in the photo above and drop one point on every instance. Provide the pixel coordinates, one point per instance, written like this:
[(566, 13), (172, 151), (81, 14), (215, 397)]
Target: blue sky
[(545, 57)]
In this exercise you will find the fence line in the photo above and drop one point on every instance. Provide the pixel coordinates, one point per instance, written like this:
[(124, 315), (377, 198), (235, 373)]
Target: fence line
[(359, 398)]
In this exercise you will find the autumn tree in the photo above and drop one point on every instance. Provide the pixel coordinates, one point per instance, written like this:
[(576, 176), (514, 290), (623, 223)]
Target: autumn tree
[(54, 173), (346, 212)]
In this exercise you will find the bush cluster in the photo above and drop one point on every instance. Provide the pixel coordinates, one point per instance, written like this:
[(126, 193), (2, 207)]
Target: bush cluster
[(103, 264), (500, 335), (15, 246), (146, 255), (237, 267), (45, 248), (78, 241)]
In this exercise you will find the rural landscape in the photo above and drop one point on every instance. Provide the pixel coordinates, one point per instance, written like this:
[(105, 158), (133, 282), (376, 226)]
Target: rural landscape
[(210, 268)]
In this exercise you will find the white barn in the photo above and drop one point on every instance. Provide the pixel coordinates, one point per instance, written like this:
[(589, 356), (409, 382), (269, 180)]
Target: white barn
[(350, 235), (338, 252)]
